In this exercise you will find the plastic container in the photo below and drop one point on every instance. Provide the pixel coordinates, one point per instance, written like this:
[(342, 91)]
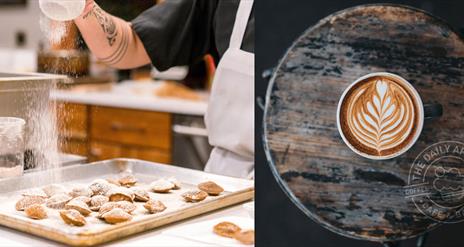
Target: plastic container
[(11, 146), (62, 10)]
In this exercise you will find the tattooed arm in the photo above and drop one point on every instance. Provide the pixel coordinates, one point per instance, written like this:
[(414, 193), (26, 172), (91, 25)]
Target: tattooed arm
[(111, 39)]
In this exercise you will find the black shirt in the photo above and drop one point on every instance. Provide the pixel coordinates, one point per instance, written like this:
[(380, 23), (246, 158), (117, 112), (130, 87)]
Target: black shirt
[(179, 32)]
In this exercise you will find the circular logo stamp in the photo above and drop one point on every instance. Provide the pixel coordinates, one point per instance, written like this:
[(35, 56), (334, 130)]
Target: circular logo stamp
[(436, 182)]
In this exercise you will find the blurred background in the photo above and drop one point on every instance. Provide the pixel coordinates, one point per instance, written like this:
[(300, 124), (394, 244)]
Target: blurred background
[(102, 112), (279, 23)]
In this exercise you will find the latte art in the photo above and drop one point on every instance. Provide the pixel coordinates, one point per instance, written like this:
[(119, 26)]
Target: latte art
[(379, 116)]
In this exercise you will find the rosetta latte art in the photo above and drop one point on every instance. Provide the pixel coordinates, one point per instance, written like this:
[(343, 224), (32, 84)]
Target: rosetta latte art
[(380, 114)]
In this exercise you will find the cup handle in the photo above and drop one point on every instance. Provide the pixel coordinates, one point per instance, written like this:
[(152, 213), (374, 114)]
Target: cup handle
[(433, 110)]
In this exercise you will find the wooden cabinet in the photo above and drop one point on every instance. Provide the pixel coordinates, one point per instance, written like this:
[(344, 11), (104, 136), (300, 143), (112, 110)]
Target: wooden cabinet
[(103, 151), (104, 133), (73, 120), (131, 127), (73, 124), (74, 146)]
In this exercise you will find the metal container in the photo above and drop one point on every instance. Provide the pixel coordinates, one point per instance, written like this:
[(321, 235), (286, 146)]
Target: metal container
[(26, 96), (236, 190)]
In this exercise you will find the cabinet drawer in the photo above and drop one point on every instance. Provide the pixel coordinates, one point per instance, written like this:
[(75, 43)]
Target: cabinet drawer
[(73, 120), (133, 127), (73, 146)]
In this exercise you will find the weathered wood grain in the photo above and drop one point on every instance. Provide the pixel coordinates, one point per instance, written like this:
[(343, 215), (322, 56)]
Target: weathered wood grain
[(344, 192)]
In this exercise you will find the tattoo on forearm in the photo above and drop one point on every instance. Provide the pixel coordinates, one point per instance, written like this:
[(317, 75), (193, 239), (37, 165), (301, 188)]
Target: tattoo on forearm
[(111, 30), (120, 51), (107, 23)]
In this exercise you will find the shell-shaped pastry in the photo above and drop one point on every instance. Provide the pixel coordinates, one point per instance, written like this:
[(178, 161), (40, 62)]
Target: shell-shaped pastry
[(100, 187), (81, 191), (211, 188), (97, 201), (58, 201), (73, 217), (27, 201), (121, 194), (116, 215), (154, 206), (161, 186), (78, 205), (194, 196), (36, 211), (140, 194), (124, 205), (226, 229), (84, 199), (128, 180)]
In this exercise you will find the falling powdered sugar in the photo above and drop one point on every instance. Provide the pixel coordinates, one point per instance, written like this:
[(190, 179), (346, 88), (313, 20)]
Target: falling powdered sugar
[(54, 31)]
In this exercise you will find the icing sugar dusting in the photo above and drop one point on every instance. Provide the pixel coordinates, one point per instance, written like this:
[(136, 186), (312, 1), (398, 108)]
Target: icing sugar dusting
[(53, 31)]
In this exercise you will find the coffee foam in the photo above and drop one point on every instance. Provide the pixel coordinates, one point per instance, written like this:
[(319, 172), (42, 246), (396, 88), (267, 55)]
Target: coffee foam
[(379, 116)]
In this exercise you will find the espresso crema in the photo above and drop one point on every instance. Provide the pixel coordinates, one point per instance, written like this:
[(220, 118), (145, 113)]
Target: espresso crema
[(379, 116)]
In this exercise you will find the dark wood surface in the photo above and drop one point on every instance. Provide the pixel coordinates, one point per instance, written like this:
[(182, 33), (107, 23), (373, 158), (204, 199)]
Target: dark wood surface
[(344, 192)]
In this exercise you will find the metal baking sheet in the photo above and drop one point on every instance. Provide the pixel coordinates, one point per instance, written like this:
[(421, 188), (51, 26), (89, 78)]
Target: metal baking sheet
[(96, 231)]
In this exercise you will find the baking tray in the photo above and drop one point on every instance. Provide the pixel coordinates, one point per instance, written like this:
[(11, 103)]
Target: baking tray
[(96, 231)]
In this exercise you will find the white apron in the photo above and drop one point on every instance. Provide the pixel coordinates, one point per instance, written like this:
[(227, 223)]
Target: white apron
[(230, 116)]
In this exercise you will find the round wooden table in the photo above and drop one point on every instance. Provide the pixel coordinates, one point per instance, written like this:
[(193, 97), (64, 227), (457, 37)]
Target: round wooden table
[(344, 192)]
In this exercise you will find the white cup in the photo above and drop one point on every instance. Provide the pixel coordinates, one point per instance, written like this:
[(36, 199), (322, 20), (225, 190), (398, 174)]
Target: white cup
[(423, 112), (62, 10)]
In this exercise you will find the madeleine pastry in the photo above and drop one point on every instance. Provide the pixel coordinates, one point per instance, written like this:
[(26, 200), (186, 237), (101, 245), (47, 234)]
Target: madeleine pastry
[(128, 180), (100, 187), (72, 217), (120, 194), (124, 205), (226, 229), (36, 211), (116, 215), (27, 201), (140, 194), (84, 199), (81, 191), (97, 201), (79, 206), (211, 188), (194, 196), (154, 207), (161, 186), (58, 201)]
